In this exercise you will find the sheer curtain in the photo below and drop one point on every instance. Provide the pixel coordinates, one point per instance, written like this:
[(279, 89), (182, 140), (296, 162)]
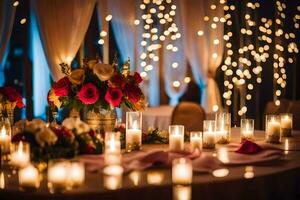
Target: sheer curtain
[(204, 52), (62, 26), (7, 16), (176, 75)]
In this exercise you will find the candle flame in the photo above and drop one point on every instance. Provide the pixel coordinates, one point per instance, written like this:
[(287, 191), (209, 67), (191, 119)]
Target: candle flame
[(2, 181), (135, 125), (3, 131)]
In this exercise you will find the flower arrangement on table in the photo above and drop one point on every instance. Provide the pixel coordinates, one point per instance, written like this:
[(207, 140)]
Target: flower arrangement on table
[(97, 86), (10, 98), (74, 137)]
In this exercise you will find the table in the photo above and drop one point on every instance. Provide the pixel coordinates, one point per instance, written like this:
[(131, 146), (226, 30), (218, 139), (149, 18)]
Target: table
[(273, 180)]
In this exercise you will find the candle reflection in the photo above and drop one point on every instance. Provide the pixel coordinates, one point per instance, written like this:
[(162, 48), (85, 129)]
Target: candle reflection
[(182, 192), (135, 177), (249, 172), (2, 181), (112, 182), (223, 155), (286, 146), (220, 172), (155, 178)]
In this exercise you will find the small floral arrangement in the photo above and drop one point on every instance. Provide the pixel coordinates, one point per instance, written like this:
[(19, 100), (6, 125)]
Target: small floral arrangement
[(153, 136), (10, 98), (97, 86), (50, 142)]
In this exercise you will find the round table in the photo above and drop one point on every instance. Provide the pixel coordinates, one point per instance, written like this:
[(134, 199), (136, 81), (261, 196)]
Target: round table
[(278, 179)]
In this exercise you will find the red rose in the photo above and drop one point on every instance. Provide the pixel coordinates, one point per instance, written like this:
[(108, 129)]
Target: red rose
[(92, 133), (89, 149), (61, 88), (62, 132), (18, 137), (13, 95), (133, 92), (88, 94), (117, 81), (114, 96), (137, 77)]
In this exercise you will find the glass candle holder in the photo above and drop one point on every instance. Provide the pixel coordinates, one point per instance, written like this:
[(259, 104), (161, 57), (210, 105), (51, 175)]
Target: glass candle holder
[(5, 136), (223, 127), (133, 131), (182, 171), (273, 129), (209, 134), (196, 140), (286, 124), (58, 176), (112, 153), (29, 178), (247, 129), (20, 154), (176, 137), (76, 174)]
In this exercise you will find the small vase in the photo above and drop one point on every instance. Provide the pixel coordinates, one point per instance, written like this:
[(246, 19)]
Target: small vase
[(102, 121)]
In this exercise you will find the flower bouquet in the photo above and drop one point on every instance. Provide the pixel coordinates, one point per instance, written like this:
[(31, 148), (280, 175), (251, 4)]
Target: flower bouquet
[(97, 87), (9, 99), (74, 137)]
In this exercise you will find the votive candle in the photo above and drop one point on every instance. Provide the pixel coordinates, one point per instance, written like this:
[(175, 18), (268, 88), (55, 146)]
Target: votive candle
[(196, 140), (58, 176), (77, 173), (247, 129), (112, 153), (286, 124), (20, 154), (209, 135), (133, 131), (5, 138), (176, 137), (273, 129), (29, 177), (223, 127)]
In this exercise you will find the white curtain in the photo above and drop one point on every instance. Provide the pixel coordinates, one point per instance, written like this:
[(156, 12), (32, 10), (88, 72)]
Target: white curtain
[(7, 16), (204, 52), (62, 26), (172, 75)]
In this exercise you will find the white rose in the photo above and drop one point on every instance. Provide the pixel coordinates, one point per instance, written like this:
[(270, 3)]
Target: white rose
[(46, 136), (35, 125), (69, 123), (103, 71)]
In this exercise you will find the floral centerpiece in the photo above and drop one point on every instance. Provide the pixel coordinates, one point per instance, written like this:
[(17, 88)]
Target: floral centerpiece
[(97, 87), (73, 138), (9, 99)]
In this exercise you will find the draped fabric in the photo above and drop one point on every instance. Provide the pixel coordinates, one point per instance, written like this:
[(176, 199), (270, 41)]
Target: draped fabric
[(175, 74), (7, 16), (62, 26), (204, 53)]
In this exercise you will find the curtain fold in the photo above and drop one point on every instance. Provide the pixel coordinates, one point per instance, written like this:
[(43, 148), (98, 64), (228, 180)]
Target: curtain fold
[(62, 27), (204, 51), (176, 75), (7, 16)]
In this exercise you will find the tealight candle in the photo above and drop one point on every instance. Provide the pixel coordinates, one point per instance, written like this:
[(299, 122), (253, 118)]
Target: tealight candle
[(133, 131), (273, 129), (286, 124), (223, 126), (29, 177), (176, 137), (77, 174), (247, 129), (209, 135), (182, 171), (112, 154), (58, 176), (196, 140), (20, 154), (5, 138)]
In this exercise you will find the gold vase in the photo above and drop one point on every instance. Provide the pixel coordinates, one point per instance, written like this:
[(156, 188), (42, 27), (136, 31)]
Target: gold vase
[(102, 121), (74, 113)]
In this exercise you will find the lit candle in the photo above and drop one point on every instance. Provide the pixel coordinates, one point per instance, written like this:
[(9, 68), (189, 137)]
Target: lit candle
[(20, 154), (133, 131), (77, 174), (272, 129), (5, 140), (29, 177), (247, 129), (176, 137), (223, 124), (112, 154), (286, 123), (182, 171), (58, 178), (196, 140), (209, 141)]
